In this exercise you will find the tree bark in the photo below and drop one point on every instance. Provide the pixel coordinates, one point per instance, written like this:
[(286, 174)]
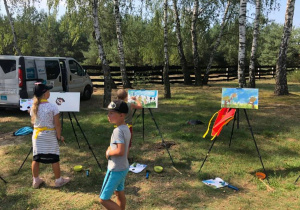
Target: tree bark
[(281, 87), (242, 43), (205, 78), (254, 45), (183, 62), (196, 60), (11, 22), (125, 80), (167, 89), (102, 55)]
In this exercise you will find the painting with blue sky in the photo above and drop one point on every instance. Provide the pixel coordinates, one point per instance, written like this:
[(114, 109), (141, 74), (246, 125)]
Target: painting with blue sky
[(148, 98), (239, 98)]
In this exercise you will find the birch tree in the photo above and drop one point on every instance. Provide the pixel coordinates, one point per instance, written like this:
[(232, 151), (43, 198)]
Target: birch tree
[(102, 55), (281, 87), (183, 62), (11, 22), (224, 21), (242, 43), (125, 80), (167, 90), (196, 59), (254, 44)]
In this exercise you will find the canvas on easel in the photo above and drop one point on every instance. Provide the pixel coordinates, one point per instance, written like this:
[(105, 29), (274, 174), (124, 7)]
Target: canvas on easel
[(66, 101), (234, 99), (148, 98), (239, 98)]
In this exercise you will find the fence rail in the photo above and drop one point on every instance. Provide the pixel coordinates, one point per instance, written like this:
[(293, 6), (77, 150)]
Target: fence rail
[(154, 74)]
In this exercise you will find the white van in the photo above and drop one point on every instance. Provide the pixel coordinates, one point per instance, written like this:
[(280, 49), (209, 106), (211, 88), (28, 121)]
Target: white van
[(19, 73)]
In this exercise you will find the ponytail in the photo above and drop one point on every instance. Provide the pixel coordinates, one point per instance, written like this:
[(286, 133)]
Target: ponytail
[(34, 108)]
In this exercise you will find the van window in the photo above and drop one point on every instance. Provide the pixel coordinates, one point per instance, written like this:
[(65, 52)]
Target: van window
[(52, 69), (7, 66), (75, 68)]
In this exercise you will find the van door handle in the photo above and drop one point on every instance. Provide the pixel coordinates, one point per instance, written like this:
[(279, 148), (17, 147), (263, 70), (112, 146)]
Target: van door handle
[(59, 78), (70, 77)]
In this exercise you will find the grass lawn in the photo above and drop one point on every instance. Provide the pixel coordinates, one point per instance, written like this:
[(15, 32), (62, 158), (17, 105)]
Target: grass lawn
[(276, 129)]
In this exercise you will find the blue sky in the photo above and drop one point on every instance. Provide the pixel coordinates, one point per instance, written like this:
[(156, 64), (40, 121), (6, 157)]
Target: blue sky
[(277, 15)]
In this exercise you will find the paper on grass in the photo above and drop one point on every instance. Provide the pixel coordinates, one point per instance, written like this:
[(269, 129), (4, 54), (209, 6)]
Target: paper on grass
[(138, 168), (215, 183)]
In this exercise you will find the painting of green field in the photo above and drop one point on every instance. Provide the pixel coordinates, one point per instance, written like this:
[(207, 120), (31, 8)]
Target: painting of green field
[(240, 98), (148, 98)]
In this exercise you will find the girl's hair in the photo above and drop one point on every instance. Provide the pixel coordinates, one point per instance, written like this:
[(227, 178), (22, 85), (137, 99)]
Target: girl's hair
[(122, 94), (34, 108)]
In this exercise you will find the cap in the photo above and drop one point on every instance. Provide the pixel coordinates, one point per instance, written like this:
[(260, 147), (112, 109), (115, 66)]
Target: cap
[(118, 106), (40, 88)]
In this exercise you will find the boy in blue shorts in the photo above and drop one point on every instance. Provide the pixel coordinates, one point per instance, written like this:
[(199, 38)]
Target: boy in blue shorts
[(116, 155)]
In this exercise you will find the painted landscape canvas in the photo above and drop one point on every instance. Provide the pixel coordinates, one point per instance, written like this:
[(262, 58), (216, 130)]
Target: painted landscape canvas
[(240, 98), (148, 98)]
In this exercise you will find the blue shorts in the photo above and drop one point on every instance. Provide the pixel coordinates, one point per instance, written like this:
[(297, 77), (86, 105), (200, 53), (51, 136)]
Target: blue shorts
[(113, 181)]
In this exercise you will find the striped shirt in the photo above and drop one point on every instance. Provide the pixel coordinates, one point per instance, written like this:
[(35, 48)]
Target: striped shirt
[(46, 141)]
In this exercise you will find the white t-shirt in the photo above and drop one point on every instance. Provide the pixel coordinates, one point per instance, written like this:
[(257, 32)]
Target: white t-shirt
[(46, 141)]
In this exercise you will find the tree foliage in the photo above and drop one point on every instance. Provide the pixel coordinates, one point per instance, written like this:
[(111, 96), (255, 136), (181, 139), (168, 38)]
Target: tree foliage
[(45, 34)]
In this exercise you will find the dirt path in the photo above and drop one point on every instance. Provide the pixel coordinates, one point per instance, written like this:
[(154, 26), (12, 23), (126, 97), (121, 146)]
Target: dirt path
[(9, 139)]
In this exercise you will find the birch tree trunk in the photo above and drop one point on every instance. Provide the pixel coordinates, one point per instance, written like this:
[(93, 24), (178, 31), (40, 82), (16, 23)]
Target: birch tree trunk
[(102, 55), (125, 80), (254, 45), (11, 22), (281, 87), (183, 63), (224, 21), (167, 90), (196, 59), (242, 43)]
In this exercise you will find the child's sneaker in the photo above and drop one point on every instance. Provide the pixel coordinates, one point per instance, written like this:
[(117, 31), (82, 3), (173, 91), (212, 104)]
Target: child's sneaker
[(61, 181), (37, 182)]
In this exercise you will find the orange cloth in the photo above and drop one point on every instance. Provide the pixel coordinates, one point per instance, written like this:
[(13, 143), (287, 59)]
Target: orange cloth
[(225, 115)]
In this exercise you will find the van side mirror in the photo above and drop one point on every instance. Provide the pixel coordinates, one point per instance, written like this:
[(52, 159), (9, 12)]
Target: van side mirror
[(84, 72)]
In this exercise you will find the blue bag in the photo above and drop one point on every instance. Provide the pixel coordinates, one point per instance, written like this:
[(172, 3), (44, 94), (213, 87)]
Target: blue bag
[(23, 131)]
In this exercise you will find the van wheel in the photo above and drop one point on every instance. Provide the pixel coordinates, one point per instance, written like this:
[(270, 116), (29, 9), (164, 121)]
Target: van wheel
[(87, 93)]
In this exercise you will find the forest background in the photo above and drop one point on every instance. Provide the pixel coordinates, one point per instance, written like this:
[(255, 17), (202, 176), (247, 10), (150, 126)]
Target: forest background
[(48, 33)]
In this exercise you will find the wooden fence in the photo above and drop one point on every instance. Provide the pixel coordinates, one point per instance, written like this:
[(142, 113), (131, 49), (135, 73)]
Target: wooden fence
[(154, 74)]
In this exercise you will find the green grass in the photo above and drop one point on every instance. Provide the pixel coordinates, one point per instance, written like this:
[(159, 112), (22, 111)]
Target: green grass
[(276, 129), (294, 76)]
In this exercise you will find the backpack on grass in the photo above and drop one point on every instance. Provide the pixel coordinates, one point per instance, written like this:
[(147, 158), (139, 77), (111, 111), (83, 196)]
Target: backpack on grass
[(23, 131)]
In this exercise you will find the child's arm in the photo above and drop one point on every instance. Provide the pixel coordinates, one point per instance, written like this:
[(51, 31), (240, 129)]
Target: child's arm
[(138, 104), (58, 128), (120, 151)]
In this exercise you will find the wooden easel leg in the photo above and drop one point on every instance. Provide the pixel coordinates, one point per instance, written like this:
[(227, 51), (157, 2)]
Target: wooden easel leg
[(207, 153), (250, 128), (162, 139), (73, 129), (232, 128), (3, 180), (143, 113)]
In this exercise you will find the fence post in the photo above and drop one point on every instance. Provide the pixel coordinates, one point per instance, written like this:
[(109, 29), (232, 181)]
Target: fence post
[(162, 75), (258, 73), (227, 74), (273, 72)]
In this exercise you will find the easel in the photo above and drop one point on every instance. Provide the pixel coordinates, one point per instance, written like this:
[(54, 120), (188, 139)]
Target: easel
[(82, 134), (236, 118), (297, 179), (75, 137), (162, 139), (3, 180)]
